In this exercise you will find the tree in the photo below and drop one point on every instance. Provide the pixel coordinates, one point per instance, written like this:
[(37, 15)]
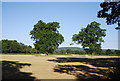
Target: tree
[(12, 46), (69, 51), (62, 51), (46, 36), (108, 52), (110, 11), (117, 52), (90, 37)]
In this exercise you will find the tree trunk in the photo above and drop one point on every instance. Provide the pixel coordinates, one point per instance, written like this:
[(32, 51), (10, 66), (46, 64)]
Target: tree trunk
[(46, 53)]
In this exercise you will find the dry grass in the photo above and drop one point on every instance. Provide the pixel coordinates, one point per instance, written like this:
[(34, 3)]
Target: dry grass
[(43, 67)]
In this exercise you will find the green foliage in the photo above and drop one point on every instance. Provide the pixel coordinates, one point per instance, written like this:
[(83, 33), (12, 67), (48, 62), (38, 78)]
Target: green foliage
[(90, 37), (117, 52), (110, 11), (0, 46), (46, 36), (69, 51), (79, 52), (12, 46), (61, 52), (108, 52)]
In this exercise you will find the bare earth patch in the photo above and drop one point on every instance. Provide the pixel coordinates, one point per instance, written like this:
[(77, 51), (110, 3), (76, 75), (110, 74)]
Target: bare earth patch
[(64, 66)]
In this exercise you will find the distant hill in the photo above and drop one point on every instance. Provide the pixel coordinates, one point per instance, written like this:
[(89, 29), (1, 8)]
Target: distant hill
[(110, 49), (71, 48), (75, 48)]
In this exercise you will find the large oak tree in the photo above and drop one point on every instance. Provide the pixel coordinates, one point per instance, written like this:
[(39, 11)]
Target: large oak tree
[(90, 37), (46, 36)]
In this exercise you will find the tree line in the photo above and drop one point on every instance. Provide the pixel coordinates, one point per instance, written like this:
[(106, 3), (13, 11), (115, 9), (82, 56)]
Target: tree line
[(12, 46), (82, 52)]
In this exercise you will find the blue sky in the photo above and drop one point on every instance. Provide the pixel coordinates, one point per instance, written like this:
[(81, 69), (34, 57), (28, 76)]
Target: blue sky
[(18, 19), (53, 0), (0, 20)]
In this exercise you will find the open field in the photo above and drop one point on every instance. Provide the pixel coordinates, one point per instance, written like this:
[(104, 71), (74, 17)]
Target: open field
[(59, 66)]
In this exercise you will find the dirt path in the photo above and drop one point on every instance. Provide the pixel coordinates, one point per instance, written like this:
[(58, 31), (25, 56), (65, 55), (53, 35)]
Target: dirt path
[(40, 67)]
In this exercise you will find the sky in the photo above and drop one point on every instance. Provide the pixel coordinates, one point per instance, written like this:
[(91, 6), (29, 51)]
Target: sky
[(0, 20), (53, 0), (19, 18)]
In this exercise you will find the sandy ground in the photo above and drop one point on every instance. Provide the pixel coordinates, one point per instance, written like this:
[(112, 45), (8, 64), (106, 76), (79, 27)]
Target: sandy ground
[(41, 67)]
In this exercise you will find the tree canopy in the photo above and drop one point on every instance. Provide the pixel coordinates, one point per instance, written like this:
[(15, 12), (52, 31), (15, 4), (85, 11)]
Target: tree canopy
[(90, 37), (46, 36), (110, 11), (12, 46)]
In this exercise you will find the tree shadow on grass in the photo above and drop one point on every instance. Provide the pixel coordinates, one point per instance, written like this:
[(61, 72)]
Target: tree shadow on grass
[(11, 70), (85, 72), (98, 62), (81, 71)]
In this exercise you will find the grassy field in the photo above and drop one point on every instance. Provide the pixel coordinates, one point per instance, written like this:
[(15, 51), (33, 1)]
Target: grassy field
[(38, 67)]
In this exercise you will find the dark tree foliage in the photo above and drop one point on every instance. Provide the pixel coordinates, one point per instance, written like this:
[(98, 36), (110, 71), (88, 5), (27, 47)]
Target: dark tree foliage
[(12, 46), (69, 51), (117, 52), (110, 11), (90, 37), (108, 52), (0, 46), (46, 36)]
